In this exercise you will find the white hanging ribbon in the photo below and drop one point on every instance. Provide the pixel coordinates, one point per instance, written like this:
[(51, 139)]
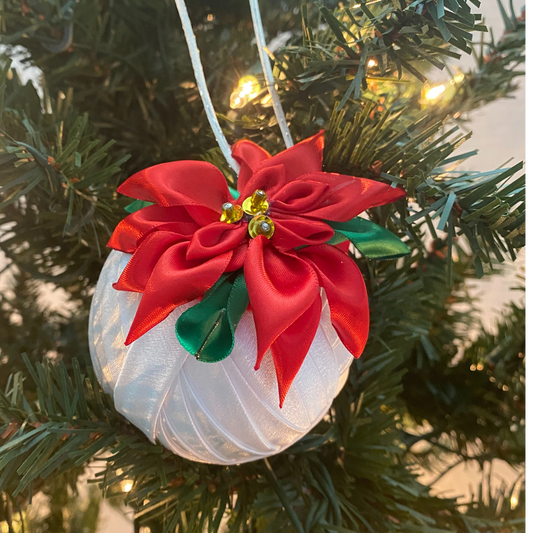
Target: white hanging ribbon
[(202, 85), (267, 72)]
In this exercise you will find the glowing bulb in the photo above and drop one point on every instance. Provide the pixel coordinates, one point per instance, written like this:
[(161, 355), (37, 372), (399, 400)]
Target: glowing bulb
[(459, 78), (247, 89), (515, 495), (435, 92), (372, 63), (127, 486)]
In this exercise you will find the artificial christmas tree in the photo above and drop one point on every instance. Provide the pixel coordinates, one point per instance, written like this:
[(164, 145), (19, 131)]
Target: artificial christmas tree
[(117, 95)]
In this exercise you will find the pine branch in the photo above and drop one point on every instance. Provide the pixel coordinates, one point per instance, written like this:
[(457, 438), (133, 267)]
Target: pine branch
[(123, 68), (57, 183), (403, 44), (360, 444)]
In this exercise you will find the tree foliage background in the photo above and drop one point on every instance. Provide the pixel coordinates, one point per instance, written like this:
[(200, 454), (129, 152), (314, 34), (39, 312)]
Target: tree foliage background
[(116, 95)]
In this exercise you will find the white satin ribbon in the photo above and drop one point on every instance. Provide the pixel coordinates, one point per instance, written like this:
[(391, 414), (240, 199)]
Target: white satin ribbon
[(223, 413)]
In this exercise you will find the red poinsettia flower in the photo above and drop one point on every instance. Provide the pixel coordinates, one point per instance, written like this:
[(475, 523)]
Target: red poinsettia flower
[(181, 248)]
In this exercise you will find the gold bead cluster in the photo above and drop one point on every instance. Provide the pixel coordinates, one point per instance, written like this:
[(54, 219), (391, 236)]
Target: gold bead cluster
[(254, 209)]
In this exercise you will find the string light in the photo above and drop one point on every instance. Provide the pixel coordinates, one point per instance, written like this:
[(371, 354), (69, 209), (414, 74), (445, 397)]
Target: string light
[(441, 91), (434, 92), (515, 495), (458, 78), (127, 486), (247, 89), (372, 63)]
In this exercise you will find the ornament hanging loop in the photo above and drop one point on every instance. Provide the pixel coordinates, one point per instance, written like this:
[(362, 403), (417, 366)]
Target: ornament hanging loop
[(202, 85), (267, 72), (204, 91)]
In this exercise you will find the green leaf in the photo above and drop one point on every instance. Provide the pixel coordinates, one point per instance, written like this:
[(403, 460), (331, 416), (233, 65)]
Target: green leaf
[(372, 240), (207, 330), (136, 205)]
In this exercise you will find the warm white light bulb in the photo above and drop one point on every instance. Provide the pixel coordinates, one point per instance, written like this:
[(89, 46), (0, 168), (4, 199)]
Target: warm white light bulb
[(435, 92), (127, 486), (372, 63), (247, 89)]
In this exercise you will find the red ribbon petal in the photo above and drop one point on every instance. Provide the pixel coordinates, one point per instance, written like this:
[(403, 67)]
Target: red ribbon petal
[(270, 180), (175, 280), (198, 185), (348, 196), (139, 268), (291, 347), (292, 232), (131, 231), (299, 197), (346, 293), (237, 259), (343, 246), (302, 158), (281, 287), (249, 155), (215, 239)]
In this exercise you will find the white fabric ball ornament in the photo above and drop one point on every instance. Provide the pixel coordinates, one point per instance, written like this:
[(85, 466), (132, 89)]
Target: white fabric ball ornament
[(220, 413)]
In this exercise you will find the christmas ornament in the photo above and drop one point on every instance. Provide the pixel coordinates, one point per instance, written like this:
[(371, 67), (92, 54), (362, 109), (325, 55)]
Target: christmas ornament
[(224, 322)]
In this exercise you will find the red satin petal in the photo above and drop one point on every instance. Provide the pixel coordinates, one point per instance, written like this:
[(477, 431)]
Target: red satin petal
[(237, 259), (204, 215), (130, 231), (215, 239), (270, 180), (292, 232), (174, 281), (291, 347), (346, 293), (249, 155), (139, 268), (302, 158), (281, 287), (188, 183), (343, 246), (298, 197), (348, 196)]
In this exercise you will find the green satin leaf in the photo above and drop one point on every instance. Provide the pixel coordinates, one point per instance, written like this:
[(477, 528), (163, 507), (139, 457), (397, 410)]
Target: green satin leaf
[(136, 205), (207, 330), (234, 192), (372, 240), (336, 239)]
